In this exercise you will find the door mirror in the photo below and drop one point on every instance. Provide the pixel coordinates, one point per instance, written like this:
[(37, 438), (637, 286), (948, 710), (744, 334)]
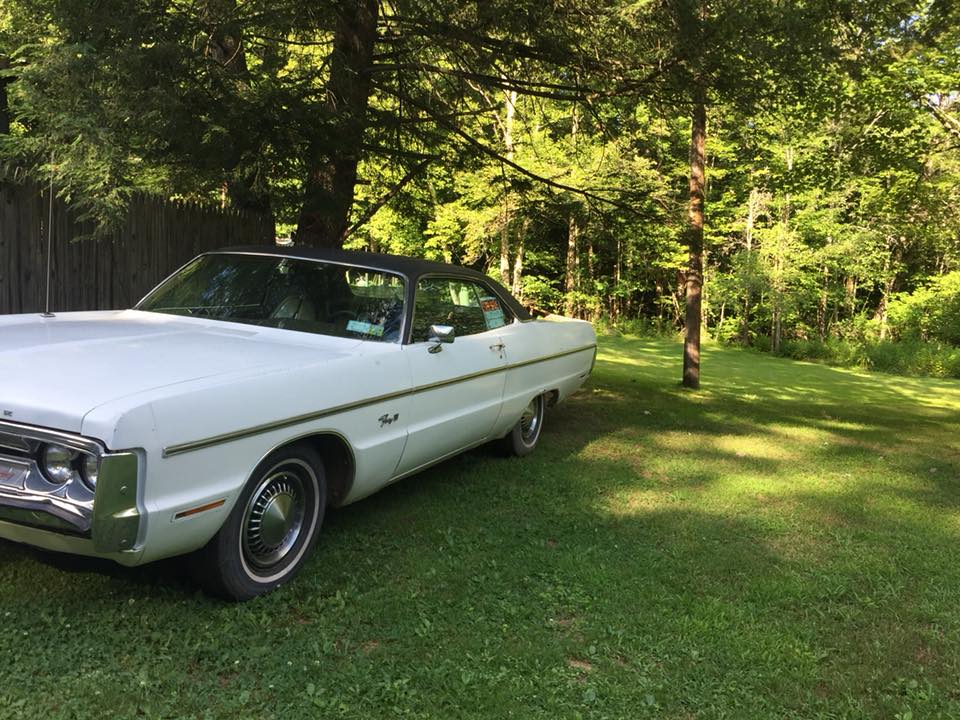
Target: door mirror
[(440, 335)]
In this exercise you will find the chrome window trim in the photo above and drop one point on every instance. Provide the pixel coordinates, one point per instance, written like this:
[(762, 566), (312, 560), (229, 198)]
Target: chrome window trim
[(461, 278), (180, 448)]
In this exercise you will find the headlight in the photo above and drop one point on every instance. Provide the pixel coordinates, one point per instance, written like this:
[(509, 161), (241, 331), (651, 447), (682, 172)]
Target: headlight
[(89, 469), (58, 463), (62, 465)]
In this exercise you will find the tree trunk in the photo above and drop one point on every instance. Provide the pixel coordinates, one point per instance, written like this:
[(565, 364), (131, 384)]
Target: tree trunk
[(573, 230), (694, 278), (889, 283), (777, 328), (591, 284), (882, 309), (752, 205), (780, 285), (508, 113), (505, 241), (850, 295), (225, 47), (705, 308), (617, 299), (822, 305), (675, 301), (518, 264), (333, 157), (4, 105)]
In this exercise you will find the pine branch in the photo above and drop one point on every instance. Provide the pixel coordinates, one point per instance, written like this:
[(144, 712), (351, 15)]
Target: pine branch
[(397, 152), (394, 191), (947, 122), (435, 29), (490, 152), (550, 91)]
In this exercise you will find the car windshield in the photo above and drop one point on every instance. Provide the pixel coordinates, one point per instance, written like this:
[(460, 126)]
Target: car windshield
[(281, 292)]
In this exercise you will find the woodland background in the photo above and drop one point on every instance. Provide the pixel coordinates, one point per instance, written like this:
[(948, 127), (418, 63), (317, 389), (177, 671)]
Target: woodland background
[(783, 175)]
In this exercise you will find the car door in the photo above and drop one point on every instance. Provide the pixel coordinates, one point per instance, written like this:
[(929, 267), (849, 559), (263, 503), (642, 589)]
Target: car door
[(457, 386)]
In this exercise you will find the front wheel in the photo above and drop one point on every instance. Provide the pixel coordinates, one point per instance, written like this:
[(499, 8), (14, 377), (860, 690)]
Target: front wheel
[(522, 439), (271, 529)]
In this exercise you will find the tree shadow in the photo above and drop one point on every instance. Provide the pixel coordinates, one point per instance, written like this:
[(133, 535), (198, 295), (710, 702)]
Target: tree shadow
[(767, 556), (680, 545)]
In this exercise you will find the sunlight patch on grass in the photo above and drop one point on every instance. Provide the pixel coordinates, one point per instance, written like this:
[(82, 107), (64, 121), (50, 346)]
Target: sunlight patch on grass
[(638, 359), (805, 434), (838, 425), (782, 543), (638, 502), (752, 446)]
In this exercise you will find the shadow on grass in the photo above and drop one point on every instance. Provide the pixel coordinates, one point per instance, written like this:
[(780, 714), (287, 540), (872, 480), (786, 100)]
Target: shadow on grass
[(773, 545), (154, 579)]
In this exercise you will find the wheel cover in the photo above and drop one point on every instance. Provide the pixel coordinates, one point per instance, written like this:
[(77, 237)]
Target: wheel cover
[(530, 420), (274, 518)]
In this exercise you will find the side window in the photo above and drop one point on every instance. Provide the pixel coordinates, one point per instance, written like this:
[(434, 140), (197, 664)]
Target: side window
[(494, 311), (469, 307)]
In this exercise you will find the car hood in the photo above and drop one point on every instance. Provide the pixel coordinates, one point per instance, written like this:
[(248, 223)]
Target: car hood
[(55, 370)]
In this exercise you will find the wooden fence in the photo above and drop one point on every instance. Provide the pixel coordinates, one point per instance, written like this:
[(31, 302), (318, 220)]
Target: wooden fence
[(115, 271)]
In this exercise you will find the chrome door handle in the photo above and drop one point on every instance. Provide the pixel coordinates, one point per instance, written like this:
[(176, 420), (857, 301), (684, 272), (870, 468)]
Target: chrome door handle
[(499, 347)]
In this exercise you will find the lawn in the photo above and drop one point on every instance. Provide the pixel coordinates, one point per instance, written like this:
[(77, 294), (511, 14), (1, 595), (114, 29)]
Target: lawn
[(783, 543)]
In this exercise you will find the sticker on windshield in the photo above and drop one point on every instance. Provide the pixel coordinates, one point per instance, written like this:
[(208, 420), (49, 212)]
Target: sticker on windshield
[(365, 328), (492, 312)]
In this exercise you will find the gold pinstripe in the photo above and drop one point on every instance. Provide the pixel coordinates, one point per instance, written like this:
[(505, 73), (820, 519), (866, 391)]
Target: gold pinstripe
[(192, 445)]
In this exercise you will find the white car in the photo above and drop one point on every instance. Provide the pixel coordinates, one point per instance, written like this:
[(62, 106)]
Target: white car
[(251, 390)]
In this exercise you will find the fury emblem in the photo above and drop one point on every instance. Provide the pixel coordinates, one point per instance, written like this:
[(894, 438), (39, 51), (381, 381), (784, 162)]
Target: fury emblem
[(387, 419), (8, 413)]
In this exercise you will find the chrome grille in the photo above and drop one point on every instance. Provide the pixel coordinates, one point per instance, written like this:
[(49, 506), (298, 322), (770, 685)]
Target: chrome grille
[(15, 445), (25, 492)]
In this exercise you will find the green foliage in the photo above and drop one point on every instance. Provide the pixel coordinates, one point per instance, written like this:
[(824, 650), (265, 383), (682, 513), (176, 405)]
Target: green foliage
[(546, 150), (931, 312), (906, 357), (912, 357)]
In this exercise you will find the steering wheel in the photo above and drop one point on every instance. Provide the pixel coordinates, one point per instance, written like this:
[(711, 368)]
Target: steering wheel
[(341, 314)]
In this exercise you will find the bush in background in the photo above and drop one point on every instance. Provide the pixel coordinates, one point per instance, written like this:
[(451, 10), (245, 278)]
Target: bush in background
[(930, 313), (903, 357)]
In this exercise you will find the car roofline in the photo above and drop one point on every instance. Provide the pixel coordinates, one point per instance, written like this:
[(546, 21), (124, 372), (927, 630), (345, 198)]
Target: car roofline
[(410, 268)]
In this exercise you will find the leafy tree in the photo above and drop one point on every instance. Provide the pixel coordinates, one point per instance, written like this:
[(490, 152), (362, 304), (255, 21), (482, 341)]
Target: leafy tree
[(546, 143)]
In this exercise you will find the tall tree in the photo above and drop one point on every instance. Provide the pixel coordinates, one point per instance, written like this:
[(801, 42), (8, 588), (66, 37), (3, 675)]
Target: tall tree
[(333, 155), (739, 53)]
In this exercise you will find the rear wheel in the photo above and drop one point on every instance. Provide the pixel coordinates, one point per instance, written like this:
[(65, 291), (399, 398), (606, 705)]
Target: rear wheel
[(271, 529), (522, 439)]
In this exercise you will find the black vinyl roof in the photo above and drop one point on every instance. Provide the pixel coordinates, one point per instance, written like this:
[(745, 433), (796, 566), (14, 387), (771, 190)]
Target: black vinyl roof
[(412, 269)]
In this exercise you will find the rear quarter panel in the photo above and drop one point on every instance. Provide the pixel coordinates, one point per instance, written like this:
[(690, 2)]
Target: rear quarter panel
[(544, 355)]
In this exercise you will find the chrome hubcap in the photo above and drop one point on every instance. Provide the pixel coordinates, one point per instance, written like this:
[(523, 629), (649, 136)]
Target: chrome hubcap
[(530, 420), (273, 518)]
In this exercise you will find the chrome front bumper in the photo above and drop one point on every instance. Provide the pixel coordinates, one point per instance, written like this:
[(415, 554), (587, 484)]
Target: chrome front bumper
[(110, 518)]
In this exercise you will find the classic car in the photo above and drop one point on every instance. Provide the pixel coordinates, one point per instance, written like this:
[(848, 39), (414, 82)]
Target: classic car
[(251, 390)]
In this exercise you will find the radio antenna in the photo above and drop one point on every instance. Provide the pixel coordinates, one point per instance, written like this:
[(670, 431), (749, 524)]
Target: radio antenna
[(46, 308)]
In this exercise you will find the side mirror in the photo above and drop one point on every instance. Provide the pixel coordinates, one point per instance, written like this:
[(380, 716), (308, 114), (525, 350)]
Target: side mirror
[(440, 335)]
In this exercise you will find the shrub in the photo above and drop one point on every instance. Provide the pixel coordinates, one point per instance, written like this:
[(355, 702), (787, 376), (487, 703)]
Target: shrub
[(915, 357), (929, 313), (833, 351), (903, 357), (642, 326)]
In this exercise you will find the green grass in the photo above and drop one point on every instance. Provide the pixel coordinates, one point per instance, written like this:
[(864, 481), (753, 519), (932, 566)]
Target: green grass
[(783, 543)]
